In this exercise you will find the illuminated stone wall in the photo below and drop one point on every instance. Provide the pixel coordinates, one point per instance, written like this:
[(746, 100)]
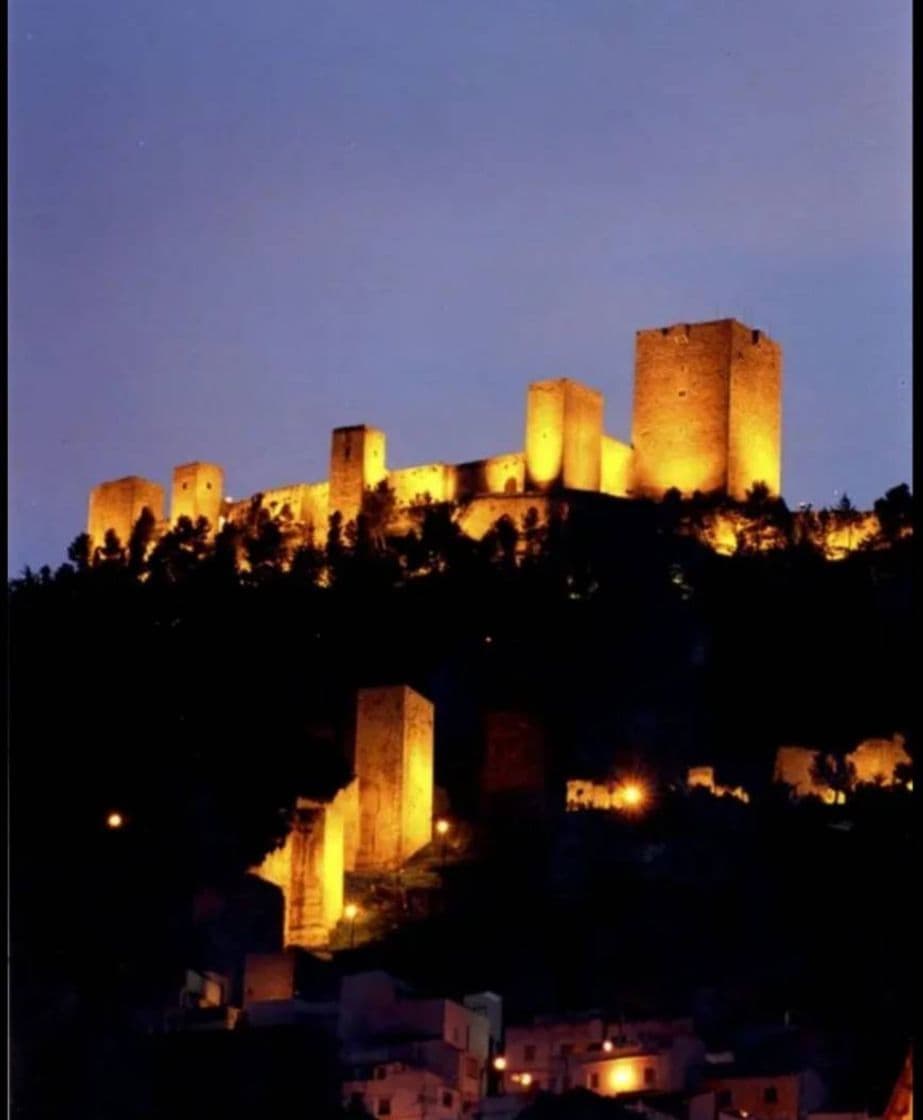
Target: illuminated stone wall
[(479, 516), (117, 505), (501, 474), (308, 869), (564, 421), (615, 467), (347, 804), (755, 412), (707, 409), (679, 428), (198, 491), (357, 462), (394, 767), (875, 761), (411, 485)]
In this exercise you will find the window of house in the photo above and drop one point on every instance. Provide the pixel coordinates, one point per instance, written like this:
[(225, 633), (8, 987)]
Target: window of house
[(594, 1080), (384, 1107), (770, 1095), (446, 1100), (724, 1098), (650, 1075), (528, 1054)]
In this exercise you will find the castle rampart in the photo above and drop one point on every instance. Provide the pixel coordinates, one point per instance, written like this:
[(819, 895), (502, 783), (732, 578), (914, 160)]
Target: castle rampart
[(706, 416)]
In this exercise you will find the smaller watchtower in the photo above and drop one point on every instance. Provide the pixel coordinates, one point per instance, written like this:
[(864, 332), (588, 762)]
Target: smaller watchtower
[(118, 504), (564, 430), (198, 490), (357, 464)]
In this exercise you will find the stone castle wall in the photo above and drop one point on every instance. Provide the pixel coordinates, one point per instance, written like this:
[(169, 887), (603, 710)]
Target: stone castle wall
[(117, 505), (563, 436), (198, 491), (755, 412), (394, 765), (706, 416)]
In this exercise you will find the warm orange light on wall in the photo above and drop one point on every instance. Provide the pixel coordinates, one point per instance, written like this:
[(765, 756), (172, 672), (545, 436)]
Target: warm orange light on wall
[(621, 1077)]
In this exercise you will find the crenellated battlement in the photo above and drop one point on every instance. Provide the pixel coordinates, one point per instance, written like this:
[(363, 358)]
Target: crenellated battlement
[(706, 416)]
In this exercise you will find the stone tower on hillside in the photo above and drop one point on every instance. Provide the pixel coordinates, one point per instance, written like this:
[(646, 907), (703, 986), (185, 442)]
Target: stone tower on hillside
[(394, 767), (357, 463), (707, 409), (564, 432), (198, 490), (117, 505)]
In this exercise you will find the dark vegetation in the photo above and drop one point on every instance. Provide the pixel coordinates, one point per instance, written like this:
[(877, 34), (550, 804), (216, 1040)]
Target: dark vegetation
[(198, 697)]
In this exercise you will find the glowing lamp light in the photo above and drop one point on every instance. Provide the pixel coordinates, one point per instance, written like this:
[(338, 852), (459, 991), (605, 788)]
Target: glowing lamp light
[(115, 820), (633, 795), (607, 1046), (526, 1080), (442, 827), (621, 1077), (500, 1063), (351, 911)]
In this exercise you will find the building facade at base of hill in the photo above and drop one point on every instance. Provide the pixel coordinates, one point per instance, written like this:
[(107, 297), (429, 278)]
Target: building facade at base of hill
[(706, 417)]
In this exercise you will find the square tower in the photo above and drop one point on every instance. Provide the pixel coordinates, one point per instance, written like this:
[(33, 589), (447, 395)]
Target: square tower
[(198, 490), (394, 766), (564, 429), (357, 463), (707, 409), (117, 505)]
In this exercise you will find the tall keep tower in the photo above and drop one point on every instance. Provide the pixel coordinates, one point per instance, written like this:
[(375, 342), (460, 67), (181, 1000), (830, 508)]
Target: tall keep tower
[(564, 430), (707, 409), (198, 489), (357, 462)]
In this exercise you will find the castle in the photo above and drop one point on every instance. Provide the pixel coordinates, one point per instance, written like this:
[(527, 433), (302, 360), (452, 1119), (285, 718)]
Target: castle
[(706, 417)]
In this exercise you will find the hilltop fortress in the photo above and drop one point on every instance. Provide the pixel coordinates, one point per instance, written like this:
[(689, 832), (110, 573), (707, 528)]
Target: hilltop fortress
[(706, 417)]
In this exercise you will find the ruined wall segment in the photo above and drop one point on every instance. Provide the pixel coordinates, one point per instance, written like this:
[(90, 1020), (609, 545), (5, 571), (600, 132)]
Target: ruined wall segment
[(564, 422), (118, 504), (308, 869), (357, 463), (755, 415), (394, 767), (198, 491)]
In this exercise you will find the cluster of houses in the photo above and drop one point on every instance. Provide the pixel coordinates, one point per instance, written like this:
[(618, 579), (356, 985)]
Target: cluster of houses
[(409, 1056)]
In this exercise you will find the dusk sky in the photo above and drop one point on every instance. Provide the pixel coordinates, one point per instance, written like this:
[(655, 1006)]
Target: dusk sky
[(237, 225)]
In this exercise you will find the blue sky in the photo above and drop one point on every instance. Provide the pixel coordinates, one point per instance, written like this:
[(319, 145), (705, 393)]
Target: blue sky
[(235, 226)]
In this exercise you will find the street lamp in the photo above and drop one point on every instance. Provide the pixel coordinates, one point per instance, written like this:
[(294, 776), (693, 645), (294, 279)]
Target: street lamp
[(633, 795), (351, 912), (114, 820), (442, 831)]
